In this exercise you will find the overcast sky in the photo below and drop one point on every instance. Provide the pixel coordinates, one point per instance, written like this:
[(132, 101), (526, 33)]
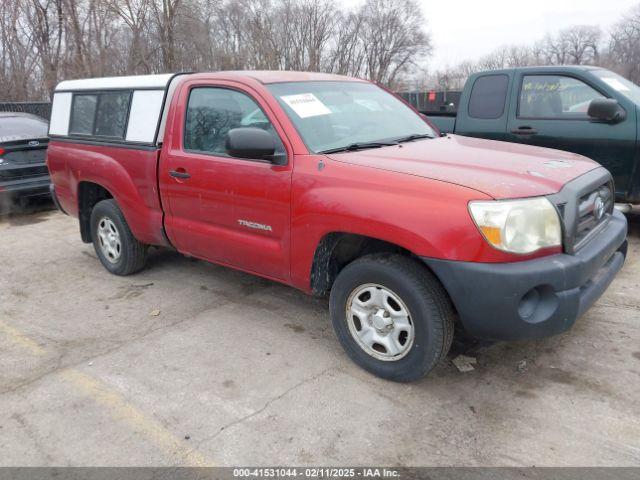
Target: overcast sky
[(464, 30)]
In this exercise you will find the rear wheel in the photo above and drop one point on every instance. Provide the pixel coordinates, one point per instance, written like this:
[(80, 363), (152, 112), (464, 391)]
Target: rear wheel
[(392, 316), (115, 245)]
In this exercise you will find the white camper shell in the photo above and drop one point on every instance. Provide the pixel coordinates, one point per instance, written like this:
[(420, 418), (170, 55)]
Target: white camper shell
[(120, 110)]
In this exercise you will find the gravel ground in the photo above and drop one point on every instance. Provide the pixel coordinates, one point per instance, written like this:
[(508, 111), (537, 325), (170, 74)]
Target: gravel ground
[(188, 363)]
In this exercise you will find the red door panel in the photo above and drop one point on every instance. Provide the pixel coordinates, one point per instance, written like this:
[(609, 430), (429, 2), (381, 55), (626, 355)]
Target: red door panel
[(226, 210)]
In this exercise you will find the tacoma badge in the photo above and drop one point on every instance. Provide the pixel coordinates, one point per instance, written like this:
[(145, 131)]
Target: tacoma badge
[(257, 226)]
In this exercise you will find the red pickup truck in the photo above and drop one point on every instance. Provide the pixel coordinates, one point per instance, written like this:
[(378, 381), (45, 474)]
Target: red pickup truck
[(337, 187)]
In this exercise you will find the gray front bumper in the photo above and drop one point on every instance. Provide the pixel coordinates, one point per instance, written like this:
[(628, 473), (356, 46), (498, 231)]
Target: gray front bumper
[(534, 298)]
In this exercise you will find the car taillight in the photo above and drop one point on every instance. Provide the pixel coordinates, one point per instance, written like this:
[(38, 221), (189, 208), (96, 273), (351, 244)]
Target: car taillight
[(1, 151)]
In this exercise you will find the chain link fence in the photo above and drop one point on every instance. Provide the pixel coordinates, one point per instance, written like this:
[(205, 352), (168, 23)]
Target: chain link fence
[(428, 102), (41, 109), (433, 101)]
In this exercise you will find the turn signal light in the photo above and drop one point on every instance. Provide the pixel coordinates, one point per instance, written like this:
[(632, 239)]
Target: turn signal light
[(492, 234)]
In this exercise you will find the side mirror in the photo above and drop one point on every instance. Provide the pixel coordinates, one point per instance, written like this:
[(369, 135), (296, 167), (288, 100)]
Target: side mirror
[(250, 142), (606, 110)]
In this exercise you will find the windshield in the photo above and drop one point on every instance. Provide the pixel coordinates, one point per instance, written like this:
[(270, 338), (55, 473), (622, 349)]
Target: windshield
[(333, 115), (620, 84)]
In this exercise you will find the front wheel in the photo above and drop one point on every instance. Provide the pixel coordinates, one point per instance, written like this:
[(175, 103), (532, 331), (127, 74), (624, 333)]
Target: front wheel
[(392, 316), (118, 250)]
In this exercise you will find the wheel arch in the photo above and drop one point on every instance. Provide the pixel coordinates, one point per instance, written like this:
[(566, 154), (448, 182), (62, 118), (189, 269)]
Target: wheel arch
[(89, 194), (335, 250)]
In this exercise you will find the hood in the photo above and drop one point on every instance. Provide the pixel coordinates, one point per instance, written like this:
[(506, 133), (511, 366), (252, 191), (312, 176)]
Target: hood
[(499, 169)]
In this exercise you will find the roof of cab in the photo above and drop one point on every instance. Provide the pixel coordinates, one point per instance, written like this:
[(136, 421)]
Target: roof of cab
[(581, 68), (160, 82), (541, 69), (282, 76)]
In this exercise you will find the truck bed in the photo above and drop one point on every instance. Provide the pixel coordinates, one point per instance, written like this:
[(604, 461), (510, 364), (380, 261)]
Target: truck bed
[(445, 122)]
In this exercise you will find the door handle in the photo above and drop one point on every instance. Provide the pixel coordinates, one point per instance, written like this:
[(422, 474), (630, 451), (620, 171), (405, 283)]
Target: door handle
[(180, 173), (524, 130)]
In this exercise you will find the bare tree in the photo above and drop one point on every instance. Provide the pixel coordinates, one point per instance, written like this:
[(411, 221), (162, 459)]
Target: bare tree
[(582, 42), (16, 47), (347, 55), (166, 14), (45, 21), (392, 38), (519, 56), (624, 46), (229, 50), (578, 45), (45, 41), (134, 14), (76, 35), (555, 50)]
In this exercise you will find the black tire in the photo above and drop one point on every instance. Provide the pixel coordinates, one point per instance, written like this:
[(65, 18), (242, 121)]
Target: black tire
[(431, 312), (132, 253)]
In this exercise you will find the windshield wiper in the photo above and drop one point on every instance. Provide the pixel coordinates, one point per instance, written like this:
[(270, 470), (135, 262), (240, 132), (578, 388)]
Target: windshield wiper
[(359, 146), (414, 136)]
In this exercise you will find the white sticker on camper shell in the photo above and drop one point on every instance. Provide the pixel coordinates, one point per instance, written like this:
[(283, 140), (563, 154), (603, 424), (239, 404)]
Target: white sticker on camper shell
[(306, 105), (615, 83)]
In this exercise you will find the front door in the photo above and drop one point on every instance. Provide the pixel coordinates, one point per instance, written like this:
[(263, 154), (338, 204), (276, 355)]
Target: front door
[(226, 210), (551, 111)]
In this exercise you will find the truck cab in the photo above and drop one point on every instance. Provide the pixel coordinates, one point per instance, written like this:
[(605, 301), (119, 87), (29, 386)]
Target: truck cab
[(336, 187), (586, 110)]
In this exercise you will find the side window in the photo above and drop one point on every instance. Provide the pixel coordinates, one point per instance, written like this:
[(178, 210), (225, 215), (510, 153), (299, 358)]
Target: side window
[(212, 112), (555, 97), (111, 118), (83, 114), (488, 97)]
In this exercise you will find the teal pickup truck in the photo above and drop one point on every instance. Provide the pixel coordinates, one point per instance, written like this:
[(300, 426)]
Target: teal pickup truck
[(586, 110)]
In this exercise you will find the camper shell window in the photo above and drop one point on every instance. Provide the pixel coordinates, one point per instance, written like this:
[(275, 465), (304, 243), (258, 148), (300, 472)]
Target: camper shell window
[(100, 114)]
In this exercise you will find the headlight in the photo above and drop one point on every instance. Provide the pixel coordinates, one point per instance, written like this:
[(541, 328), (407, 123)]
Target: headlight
[(518, 226)]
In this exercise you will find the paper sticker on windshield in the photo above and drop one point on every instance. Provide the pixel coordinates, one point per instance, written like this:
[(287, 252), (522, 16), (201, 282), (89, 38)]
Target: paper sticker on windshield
[(615, 83), (306, 105)]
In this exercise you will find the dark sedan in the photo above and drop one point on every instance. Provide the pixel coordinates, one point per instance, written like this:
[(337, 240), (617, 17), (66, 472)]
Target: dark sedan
[(23, 148)]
